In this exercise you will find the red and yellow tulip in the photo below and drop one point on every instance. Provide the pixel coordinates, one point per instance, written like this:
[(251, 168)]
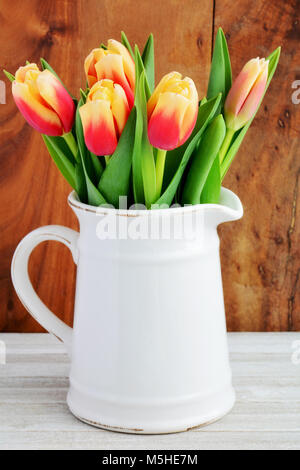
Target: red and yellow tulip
[(245, 94), (114, 63), (117, 91), (43, 101), (172, 111), (104, 116)]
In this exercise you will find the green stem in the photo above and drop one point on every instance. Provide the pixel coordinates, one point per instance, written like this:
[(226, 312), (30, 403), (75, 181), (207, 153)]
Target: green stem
[(159, 169), (71, 142), (107, 158), (226, 143)]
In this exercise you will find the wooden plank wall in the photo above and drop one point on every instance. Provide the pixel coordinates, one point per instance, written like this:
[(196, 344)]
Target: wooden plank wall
[(260, 253)]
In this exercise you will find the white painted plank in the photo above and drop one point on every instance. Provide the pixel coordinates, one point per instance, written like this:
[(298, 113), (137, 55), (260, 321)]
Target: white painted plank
[(104, 440), (38, 369), (47, 366), (277, 343), (30, 339), (275, 417), (238, 342), (34, 414), (52, 389), (274, 389)]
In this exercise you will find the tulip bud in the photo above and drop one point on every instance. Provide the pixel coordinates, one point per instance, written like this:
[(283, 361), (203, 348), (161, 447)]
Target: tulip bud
[(172, 111), (114, 63), (245, 94), (43, 101), (104, 116)]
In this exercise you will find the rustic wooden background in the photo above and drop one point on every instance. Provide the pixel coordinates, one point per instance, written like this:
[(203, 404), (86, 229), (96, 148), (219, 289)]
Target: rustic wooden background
[(260, 253)]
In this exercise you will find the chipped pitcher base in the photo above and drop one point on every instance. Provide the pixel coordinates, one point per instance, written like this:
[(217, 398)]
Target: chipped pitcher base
[(151, 418)]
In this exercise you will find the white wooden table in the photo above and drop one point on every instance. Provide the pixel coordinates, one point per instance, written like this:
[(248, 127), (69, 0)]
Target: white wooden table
[(34, 414)]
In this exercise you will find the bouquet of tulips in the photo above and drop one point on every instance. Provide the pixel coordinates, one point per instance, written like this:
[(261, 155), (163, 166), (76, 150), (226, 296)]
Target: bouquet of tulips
[(125, 137)]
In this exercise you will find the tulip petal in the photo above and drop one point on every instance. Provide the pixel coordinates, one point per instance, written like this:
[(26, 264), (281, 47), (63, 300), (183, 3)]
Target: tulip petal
[(102, 90), (169, 78), (37, 114), (241, 87), (98, 126), (120, 107), (114, 63), (107, 90), (54, 93), (22, 71), (111, 66), (172, 111), (89, 65), (128, 63), (190, 116), (188, 123), (164, 128), (254, 97)]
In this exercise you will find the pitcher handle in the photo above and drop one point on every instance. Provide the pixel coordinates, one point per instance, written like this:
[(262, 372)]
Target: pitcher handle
[(23, 286)]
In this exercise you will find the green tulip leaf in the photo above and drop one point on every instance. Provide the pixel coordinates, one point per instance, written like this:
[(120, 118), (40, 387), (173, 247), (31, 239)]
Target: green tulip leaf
[(143, 163), (60, 159), (220, 78), (203, 159), (137, 175), (227, 65), (9, 75), (148, 60), (115, 179), (238, 138), (81, 188), (94, 196), (83, 95), (126, 43), (212, 187), (139, 68), (148, 162), (206, 113), (97, 167), (63, 146)]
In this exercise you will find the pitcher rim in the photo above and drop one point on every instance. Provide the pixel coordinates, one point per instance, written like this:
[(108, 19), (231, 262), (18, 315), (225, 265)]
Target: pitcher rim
[(236, 211)]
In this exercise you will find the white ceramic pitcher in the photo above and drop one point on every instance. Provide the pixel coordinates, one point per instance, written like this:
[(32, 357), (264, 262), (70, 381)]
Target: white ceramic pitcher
[(148, 347)]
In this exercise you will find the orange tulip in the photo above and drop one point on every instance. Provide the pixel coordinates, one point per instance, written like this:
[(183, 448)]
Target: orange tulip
[(43, 101), (114, 63), (104, 116), (245, 94), (172, 111)]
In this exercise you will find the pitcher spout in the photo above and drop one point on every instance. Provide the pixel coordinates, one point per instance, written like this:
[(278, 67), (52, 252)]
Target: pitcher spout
[(230, 208)]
